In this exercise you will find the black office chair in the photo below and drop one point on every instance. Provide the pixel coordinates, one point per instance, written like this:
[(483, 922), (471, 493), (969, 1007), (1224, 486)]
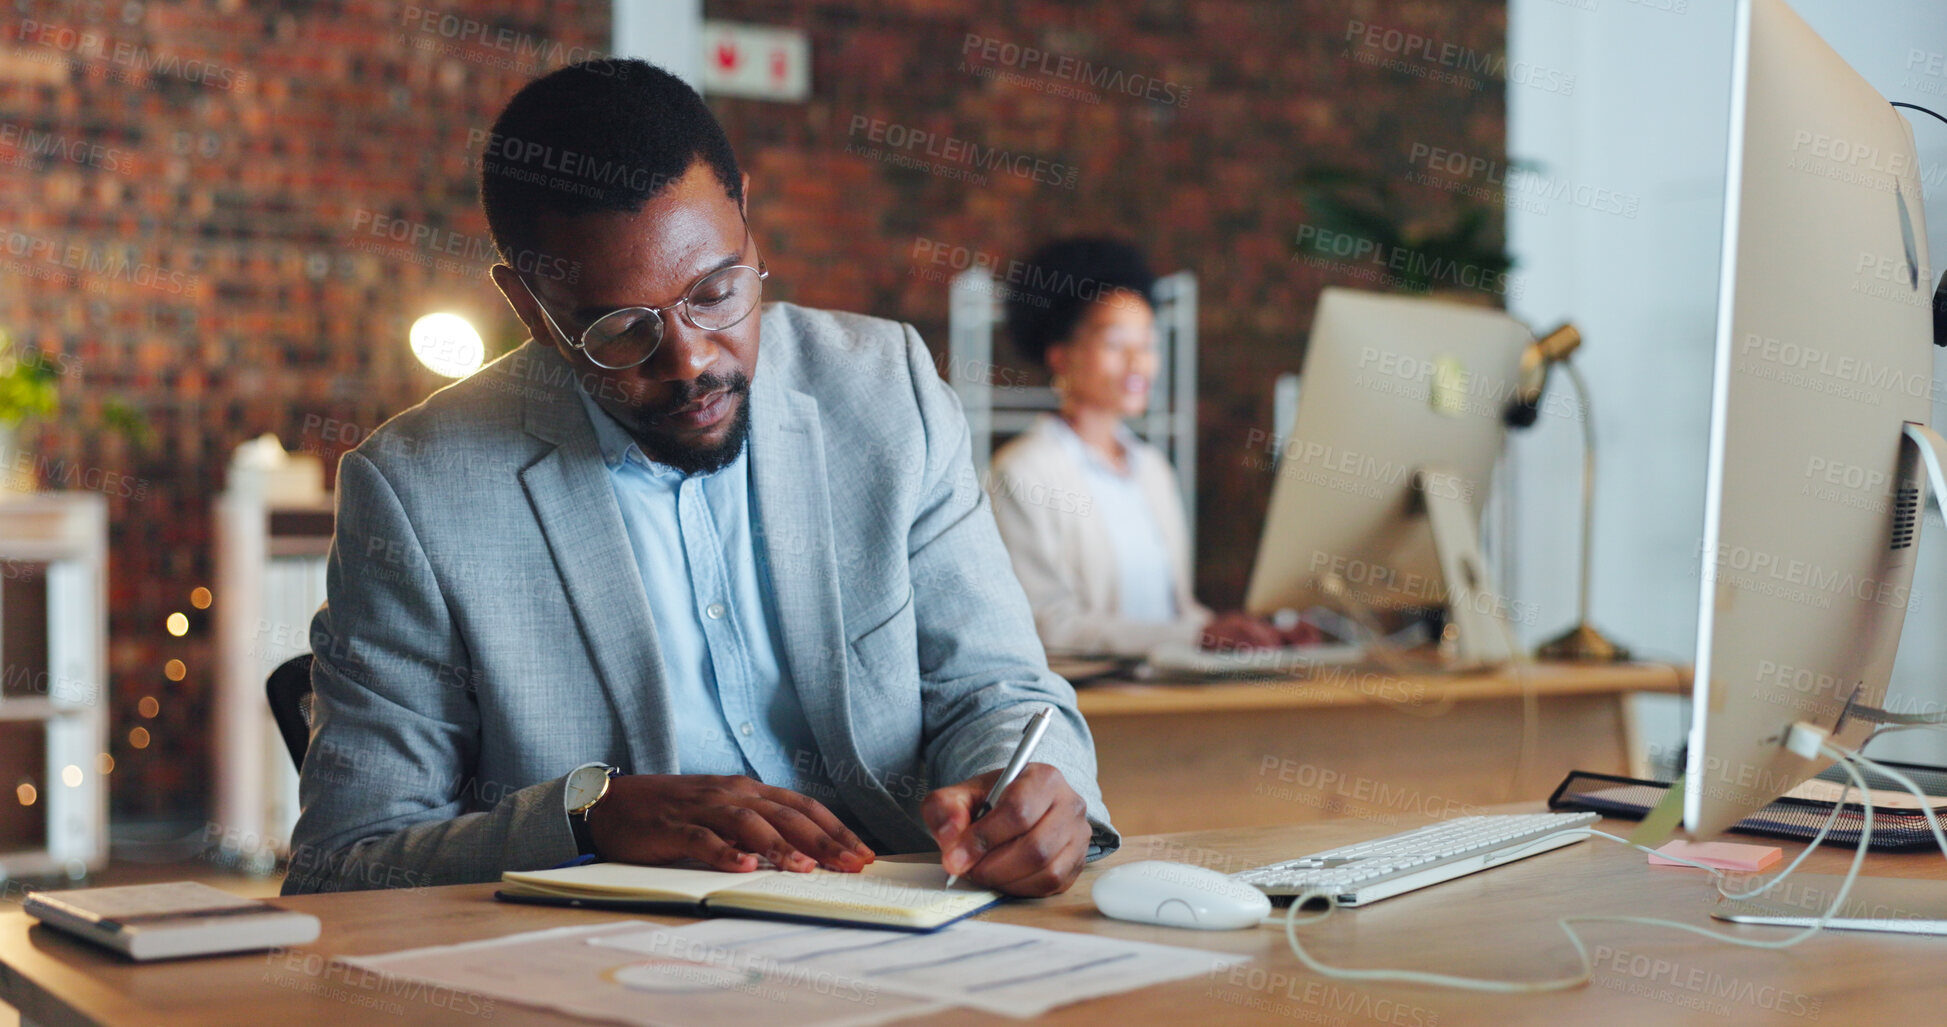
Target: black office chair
[(289, 690)]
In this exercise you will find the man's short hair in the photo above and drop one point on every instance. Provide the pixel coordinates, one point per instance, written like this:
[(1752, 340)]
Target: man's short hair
[(1062, 278), (605, 135)]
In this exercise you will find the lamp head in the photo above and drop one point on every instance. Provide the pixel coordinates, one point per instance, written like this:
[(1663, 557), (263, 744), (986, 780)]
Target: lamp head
[(1541, 354)]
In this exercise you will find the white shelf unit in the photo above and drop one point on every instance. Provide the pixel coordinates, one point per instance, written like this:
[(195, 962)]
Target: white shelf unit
[(55, 545), (270, 580), (1007, 410)]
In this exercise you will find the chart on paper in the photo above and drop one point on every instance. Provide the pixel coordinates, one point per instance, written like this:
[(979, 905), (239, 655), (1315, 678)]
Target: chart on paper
[(559, 970), (1000, 968)]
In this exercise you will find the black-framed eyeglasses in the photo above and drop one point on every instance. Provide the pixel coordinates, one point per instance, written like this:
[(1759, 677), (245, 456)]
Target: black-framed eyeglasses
[(621, 339)]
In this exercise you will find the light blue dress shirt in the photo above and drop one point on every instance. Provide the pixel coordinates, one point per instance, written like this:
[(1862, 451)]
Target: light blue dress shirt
[(735, 704), (1145, 581)]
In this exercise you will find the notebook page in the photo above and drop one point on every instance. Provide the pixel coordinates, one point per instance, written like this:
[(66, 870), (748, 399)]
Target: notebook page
[(913, 893), (627, 880)]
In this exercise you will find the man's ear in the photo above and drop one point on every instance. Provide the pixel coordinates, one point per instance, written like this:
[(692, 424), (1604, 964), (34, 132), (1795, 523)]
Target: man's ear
[(509, 282), (743, 195)]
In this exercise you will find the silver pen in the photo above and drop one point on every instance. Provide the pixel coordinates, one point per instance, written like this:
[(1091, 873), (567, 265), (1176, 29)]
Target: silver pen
[(1030, 737)]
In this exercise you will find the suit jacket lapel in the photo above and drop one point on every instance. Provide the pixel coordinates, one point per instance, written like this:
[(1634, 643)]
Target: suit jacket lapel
[(787, 454), (574, 502), (787, 473)]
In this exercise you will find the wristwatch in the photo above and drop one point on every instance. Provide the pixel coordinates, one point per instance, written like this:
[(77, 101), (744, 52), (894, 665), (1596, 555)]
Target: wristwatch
[(585, 787)]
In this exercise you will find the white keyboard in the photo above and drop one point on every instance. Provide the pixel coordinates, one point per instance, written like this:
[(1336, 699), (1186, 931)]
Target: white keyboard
[(1177, 660), (1384, 867)]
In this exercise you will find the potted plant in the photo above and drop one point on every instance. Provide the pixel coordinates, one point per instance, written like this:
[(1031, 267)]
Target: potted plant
[(27, 390)]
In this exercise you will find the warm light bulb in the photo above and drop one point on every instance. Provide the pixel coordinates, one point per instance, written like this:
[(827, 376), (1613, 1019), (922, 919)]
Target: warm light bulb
[(447, 345)]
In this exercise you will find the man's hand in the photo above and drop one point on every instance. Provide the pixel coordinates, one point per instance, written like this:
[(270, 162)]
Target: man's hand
[(1032, 844), (726, 822), (1239, 630)]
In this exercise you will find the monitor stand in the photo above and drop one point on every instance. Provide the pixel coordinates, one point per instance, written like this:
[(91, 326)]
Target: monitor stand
[(1475, 637)]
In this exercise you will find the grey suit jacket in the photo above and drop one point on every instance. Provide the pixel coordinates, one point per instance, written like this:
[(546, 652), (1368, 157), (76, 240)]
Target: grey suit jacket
[(487, 630)]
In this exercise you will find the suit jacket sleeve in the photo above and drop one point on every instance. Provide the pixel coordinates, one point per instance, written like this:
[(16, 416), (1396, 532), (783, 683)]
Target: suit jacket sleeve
[(395, 729), (1065, 620), (982, 669)]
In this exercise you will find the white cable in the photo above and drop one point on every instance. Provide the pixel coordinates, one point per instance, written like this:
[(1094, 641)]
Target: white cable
[(1530, 705), (1810, 847), (1926, 802), (1587, 972)]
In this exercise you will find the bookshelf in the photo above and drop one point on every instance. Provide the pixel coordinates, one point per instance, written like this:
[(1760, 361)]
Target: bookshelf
[(53, 683)]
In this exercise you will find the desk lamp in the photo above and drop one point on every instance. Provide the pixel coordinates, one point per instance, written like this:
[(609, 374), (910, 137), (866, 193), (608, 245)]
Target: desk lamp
[(1582, 643)]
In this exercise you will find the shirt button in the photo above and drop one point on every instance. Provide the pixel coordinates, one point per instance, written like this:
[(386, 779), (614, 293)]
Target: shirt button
[(715, 611), (745, 727)]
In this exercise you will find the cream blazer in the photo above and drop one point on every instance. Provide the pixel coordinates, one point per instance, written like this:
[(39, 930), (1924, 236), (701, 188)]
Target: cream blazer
[(1063, 555)]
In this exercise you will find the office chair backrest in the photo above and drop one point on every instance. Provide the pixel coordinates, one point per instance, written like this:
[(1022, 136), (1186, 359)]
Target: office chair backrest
[(289, 691)]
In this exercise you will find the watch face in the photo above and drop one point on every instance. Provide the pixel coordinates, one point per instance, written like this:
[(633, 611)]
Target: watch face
[(584, 786)]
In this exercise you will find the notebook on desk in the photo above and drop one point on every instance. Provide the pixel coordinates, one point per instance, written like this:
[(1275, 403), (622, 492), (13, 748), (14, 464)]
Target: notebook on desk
[(899, 896)]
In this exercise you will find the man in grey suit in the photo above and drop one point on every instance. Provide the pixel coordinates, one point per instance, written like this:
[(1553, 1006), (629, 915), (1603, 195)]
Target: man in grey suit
[(647, 591)]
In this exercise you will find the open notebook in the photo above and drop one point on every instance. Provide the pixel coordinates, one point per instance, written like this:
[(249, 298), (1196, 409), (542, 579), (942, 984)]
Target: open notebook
[(903, 896)]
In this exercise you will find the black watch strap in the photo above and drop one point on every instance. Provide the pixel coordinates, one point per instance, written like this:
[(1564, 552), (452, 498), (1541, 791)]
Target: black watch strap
[(584, 838)]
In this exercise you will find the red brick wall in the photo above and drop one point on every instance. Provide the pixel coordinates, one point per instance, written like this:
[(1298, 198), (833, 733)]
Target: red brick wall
[(1194, 123), (190, 223), (200, 204)]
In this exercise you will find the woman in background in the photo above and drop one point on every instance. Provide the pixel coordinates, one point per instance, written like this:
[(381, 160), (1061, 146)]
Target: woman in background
[(1090, 513)]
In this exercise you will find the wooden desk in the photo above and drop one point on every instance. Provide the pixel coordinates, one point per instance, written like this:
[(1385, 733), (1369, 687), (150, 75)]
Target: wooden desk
[(1500, 923), (1355, 742)]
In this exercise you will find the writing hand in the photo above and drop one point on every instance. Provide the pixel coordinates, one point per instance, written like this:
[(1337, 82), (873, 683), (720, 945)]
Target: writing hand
[(1032, 844)]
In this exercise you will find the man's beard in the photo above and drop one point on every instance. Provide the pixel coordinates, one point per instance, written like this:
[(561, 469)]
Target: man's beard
[(664, 448)]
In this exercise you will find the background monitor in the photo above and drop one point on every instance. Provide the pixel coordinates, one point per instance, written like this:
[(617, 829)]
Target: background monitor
[(1391, 385), (1823, 356)]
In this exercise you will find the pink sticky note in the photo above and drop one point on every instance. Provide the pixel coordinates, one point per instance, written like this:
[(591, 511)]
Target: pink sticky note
[(1722, 855)]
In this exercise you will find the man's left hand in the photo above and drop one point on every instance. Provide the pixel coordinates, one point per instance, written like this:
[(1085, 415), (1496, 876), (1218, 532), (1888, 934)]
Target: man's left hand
[(1032, 844)]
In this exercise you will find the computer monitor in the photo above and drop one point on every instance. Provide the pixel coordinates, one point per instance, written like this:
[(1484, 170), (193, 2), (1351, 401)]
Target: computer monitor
[(1398, 429), (1823, 360)]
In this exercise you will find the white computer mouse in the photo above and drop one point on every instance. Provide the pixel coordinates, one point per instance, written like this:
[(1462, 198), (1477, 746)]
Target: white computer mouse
[(1178, 895)]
